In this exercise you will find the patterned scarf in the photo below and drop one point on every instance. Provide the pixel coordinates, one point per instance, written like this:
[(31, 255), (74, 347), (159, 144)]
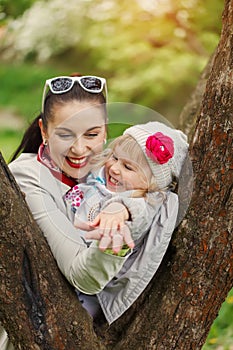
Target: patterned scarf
[(74, 195), (43, 157)]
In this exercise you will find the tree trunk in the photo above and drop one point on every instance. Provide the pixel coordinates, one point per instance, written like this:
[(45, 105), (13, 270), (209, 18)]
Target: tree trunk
[(191, 111), (38, 307), (178, 308), (40, 310)]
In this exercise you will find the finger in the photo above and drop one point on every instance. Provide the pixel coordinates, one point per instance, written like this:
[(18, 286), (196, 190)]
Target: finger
[(82, 225), (96, 221), (125, 232), (117, 242), (106, 226), (105, 242), (112, 225), (105, 231), (114, 231), (95, 234)]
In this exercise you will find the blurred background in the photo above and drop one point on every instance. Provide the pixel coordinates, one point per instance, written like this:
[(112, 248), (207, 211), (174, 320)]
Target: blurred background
[(152, 53)]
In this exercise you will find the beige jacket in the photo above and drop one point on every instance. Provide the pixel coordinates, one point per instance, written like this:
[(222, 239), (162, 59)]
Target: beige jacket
[(87, 269)]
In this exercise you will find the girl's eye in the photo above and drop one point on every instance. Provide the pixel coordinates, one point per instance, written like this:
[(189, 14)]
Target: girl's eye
[(129, 167), (114, 157)]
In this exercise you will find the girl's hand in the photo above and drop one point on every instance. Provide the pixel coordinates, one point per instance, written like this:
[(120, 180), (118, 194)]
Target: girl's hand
[(82, 225), (112, 231)]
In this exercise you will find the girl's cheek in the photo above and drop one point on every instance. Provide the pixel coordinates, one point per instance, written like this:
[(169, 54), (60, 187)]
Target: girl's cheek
[(108, 164)]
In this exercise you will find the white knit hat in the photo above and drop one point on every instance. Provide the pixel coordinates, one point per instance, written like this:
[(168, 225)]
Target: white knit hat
[(165, 149)]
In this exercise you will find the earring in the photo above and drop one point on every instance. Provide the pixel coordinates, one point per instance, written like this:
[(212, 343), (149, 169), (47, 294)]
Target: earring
[(45, 142), (105, 141)]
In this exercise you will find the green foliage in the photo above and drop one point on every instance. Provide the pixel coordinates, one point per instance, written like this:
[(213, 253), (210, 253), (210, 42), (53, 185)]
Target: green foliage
[(221, 333), (9, 141), (151, 52), (23, 85), (9, 8), (21, 96)]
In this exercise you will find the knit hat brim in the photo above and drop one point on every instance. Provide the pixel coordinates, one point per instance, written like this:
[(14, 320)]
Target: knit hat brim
[(163, 173)]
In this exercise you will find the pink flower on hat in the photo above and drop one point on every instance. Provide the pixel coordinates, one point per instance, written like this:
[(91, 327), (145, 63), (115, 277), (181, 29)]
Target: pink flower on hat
[(159, 147)]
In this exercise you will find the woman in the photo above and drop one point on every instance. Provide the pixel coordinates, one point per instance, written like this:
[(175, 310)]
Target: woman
[(56, 154), (73, 129)]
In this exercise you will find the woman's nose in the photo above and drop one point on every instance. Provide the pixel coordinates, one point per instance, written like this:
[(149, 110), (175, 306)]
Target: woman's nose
[(78, 147)]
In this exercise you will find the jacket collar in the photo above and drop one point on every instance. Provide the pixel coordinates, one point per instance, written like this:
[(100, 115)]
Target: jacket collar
[(43, 157)]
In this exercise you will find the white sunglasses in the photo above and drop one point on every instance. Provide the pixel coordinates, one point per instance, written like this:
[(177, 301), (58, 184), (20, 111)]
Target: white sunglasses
[(60, 85)]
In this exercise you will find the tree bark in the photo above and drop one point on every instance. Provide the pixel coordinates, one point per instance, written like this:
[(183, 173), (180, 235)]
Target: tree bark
[(191, 111), (178, 307), (39, 309), (184, 298)]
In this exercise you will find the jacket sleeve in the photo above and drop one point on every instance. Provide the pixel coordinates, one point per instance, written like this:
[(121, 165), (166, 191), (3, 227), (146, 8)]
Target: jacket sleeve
[(87, 269), (141, 210)]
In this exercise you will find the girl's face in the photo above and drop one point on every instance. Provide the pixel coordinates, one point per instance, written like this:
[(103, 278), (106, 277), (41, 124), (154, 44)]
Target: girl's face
[(123, 174), (76, 133)]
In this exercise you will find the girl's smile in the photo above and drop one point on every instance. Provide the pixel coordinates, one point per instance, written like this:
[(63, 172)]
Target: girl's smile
[(123, 174)]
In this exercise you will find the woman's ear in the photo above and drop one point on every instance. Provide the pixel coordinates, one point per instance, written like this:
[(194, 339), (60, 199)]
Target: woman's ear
[(105, 136), (43, 131)]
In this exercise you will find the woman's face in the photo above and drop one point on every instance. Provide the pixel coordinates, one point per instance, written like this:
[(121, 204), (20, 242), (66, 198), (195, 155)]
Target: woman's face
[(76, 133), (122, 173)]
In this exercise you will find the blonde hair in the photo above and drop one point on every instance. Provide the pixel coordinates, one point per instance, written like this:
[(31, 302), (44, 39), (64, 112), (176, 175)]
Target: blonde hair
[(130, 146)]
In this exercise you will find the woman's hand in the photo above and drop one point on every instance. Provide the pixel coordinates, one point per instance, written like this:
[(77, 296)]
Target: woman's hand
[(112, 231)]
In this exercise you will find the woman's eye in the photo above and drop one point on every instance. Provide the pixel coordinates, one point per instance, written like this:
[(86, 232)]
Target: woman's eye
[(92, 134), (65, 136)]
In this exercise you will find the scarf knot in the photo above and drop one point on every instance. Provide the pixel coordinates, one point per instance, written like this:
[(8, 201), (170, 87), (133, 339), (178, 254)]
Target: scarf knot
[(74, 196)]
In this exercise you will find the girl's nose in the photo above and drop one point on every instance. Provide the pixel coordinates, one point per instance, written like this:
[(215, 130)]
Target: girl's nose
[(116, 168)]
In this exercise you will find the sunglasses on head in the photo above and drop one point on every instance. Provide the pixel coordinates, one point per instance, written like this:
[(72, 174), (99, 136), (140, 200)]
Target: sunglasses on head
[(60, 85)]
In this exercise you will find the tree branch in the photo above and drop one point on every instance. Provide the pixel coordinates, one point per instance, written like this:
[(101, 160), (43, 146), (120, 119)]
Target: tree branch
[(39, 308)]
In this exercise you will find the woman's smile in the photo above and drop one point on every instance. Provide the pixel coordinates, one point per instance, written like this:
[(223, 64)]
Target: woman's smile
[(77, 162)]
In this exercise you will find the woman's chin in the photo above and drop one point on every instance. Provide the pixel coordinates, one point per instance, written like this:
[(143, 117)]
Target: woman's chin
[(77, 173)]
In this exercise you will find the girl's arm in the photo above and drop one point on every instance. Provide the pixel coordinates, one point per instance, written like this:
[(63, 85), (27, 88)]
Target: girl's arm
[(112, 231), (120, 213)]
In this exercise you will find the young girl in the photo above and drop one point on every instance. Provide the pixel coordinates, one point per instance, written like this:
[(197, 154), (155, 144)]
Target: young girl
[(134, 187)]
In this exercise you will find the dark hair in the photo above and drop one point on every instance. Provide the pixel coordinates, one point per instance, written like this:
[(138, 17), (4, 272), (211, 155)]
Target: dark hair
[(32, 139)]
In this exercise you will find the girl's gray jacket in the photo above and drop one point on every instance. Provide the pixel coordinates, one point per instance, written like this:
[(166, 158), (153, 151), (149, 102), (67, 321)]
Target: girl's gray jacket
[(117, 281)]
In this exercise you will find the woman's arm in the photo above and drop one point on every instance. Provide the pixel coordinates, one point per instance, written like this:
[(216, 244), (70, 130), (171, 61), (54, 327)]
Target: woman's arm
[(87, 269)]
